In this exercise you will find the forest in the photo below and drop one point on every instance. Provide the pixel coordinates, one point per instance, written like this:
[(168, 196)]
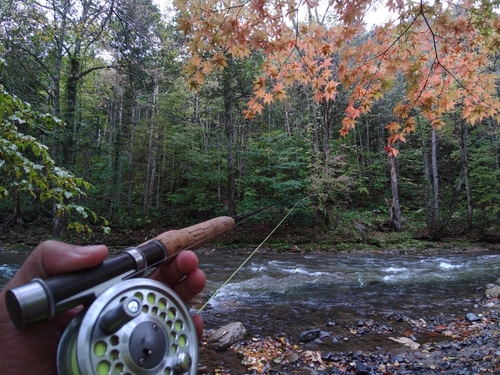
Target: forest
[(125, 115)]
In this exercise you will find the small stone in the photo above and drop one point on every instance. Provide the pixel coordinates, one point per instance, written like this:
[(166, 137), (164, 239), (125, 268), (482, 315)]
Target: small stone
[(362, 369), (471, 317), (325, 356), (292, 357)]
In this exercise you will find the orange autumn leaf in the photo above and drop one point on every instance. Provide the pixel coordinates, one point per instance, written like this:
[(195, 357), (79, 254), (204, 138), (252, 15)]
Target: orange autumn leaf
[(268, 98), (393, 127), (391, 151), (219, 60)]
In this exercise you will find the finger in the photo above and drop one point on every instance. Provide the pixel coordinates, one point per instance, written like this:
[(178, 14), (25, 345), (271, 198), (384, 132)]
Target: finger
[(60, 257), (198, 323), (192, 285), (183, 264), (52, 258)]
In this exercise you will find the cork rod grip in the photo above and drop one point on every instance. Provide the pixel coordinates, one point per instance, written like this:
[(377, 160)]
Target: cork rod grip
[(195, 236)]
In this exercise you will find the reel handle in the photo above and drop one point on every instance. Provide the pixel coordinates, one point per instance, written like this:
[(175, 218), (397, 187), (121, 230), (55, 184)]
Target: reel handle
[(40, 299)]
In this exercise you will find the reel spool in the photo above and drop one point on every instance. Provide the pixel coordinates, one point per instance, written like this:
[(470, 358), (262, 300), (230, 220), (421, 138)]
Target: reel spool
[(136, 327)]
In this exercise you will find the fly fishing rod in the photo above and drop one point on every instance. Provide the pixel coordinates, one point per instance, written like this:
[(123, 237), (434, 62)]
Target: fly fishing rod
[(129, 324)]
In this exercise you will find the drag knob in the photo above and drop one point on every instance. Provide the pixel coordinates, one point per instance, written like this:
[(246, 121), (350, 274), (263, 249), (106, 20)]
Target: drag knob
[(114, 319)]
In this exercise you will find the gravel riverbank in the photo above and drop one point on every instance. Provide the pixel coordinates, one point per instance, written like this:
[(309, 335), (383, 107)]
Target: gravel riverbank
[(463, 344)]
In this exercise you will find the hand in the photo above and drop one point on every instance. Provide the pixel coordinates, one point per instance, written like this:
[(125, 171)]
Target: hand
[(34, 349)]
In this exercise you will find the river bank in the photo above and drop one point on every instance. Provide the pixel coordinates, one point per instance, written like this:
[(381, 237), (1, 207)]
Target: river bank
[(287, 238), (461, 344)]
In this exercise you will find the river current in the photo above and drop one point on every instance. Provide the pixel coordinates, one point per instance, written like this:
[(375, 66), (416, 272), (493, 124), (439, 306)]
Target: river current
[(272, 292), (275, 291)]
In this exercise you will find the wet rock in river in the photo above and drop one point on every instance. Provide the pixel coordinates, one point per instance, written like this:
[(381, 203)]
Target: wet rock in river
[(227, 335)]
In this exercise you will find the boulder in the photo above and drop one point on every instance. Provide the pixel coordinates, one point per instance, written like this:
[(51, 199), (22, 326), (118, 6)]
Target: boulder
[(227, 335), (493, 292), (309, 335)]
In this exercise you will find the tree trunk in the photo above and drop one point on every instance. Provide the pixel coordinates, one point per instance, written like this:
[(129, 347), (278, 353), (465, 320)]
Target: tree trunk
[(428, 185), (287, 118), (229, 132), (133, 121), (462, 141), (117, 168), (431, 191), (152, 151), (435, 184), (74, 56), (396, 208)]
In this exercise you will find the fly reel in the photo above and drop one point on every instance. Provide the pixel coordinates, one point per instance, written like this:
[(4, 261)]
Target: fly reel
[(138, 326)]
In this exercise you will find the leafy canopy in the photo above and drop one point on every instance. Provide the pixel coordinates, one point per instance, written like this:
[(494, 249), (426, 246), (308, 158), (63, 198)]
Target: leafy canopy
[(441, 49)]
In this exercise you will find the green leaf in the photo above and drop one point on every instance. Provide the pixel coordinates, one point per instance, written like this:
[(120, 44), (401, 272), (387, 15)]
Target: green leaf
[(82, 211)]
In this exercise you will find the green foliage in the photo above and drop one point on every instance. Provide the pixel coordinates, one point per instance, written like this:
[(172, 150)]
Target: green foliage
[(333, 181), (276, 168), (26, 167), (411, 175), (278, 155), (485, 181)]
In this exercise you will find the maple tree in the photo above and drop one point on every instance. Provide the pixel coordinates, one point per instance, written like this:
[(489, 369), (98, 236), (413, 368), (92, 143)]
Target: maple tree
[(441, 49)]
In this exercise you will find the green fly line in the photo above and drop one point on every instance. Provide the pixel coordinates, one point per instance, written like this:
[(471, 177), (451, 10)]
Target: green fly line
[(248, 258)]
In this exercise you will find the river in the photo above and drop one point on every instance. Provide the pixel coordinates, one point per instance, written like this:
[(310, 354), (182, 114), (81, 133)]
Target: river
[(274, 292)]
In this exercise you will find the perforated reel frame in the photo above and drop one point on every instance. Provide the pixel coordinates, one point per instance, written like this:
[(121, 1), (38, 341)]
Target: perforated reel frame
[(86, 349)]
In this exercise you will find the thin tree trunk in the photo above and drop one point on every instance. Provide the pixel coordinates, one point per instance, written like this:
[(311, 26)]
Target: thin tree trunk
[(429, 187), (117, 165), (161, 173), (396, 208), (148, 167), (367, 143), (229, 132), (314, 161), (463, 134), (287, 117), (435, 183), (133, 121), (152, 151)]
